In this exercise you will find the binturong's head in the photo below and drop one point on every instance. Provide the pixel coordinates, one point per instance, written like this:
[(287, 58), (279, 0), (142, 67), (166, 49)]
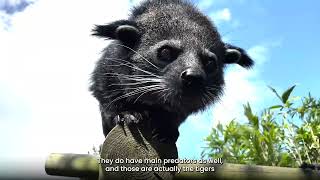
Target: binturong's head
[(168, 55)]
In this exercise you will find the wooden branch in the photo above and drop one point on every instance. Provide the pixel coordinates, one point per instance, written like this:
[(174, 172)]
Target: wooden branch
[(240, 171), (56, 164), (135, 143), (72, 165)]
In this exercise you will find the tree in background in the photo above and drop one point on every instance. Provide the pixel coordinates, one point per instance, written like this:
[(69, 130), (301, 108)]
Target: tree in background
[(283, 135)]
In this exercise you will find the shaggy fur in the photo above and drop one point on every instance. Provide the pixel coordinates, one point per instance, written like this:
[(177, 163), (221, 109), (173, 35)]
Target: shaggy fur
[(165, 62)]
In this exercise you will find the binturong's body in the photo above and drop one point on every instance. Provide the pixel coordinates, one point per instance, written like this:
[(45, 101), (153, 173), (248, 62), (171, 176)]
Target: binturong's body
[(165, 62)]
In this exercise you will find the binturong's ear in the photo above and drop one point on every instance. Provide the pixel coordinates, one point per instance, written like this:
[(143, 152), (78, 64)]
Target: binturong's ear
[(124, 30), (237, 55)]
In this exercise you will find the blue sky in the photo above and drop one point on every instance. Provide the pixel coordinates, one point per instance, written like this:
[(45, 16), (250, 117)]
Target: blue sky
[(39, 47), (11, 7), (285, 37), (292, 26)]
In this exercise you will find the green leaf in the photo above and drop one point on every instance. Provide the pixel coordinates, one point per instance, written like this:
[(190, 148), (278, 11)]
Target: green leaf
[(248, 111), (275, 92), (253, 119), (220, 127), (275, 107), (286, 94)]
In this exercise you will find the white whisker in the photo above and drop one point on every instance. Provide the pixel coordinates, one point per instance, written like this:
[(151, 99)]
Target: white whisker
[(133, 66), (137, 53)]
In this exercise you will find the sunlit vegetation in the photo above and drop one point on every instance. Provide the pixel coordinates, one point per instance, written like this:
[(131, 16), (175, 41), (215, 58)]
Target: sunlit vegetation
[(286, 134)]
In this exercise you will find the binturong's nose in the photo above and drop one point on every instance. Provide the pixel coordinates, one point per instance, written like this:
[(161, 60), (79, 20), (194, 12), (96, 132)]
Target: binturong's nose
[(193, 78)]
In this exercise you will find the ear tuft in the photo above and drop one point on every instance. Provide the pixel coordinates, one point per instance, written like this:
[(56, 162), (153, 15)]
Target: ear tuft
[(237, 55), (123, 30)]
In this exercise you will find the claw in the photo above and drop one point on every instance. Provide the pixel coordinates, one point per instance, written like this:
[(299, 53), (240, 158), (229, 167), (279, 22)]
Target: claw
[(129, 118), (118, 120)]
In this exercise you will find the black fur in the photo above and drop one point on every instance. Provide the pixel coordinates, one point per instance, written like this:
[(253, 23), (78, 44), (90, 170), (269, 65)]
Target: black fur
[(164, 63)]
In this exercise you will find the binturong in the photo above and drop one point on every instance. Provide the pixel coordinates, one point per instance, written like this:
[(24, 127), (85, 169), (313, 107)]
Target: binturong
[(165, 62)]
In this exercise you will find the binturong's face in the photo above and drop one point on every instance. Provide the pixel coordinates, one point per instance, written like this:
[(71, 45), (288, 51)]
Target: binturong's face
[(175, 58)]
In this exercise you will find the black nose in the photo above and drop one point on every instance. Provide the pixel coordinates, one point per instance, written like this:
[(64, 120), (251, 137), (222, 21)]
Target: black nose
[(193, 78)]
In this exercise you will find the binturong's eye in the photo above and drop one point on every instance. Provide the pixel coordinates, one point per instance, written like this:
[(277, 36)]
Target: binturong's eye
[(168, 54)]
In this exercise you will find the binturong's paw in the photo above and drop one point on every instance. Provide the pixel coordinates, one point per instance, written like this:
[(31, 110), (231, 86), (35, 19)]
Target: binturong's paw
[(128, 118)]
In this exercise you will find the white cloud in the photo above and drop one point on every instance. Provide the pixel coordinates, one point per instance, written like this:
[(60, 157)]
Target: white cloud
[(243, 86), (259, 53), (4, 20), (47, 55), (205, 4), (136, 2), (223, 15)]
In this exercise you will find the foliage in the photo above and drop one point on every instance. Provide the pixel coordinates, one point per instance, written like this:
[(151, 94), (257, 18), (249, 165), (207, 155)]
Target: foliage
[(272, 138), (95, 151)]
